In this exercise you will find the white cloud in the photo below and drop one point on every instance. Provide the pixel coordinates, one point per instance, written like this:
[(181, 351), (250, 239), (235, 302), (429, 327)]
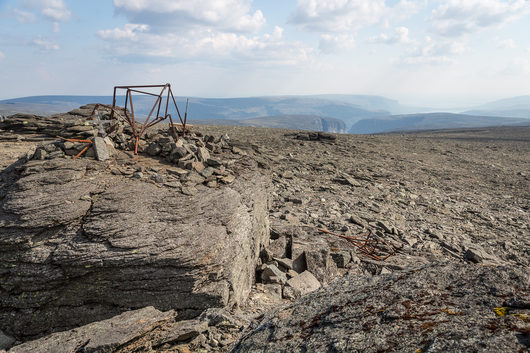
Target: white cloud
[(137, 41), (505, 43), (337, 15), (53, 10), (455, 18), (227, 15), (205, 30), (433, 52), (350, 15), (45, 44), (330, 43), (129, 31), (400, 36), (406, 8), (2, 55), (24, 16)]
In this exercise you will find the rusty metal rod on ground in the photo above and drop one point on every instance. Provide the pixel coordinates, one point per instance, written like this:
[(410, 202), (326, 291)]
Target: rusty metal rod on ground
[(78, 140), (367, 246)]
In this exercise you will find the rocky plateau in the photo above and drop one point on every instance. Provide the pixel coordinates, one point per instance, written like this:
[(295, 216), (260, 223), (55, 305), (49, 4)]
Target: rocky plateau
[(261, 240)]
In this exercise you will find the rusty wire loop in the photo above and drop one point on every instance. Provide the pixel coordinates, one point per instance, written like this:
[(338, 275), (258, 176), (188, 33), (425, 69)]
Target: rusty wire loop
[(367, 243), (127, 112)]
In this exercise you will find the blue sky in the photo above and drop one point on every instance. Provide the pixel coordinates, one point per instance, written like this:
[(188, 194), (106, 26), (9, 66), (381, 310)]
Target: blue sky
[(421, 52)]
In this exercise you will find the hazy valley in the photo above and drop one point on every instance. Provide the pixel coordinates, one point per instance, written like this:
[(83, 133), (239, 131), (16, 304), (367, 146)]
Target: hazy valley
[(363, 114)]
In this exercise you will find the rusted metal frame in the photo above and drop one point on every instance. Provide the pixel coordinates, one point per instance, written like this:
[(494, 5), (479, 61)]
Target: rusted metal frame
[(148, 123), (183, 122), (131, 120), (353, 240)]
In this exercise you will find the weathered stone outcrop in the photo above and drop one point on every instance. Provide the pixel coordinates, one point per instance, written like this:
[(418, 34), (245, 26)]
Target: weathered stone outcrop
[(437, 308), (144, 330), (109, 335), (79, 244), (72, 124)]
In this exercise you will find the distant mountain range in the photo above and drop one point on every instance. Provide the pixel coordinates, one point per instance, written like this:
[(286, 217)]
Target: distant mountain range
[(516, 107), (327, 112), (431, 121)]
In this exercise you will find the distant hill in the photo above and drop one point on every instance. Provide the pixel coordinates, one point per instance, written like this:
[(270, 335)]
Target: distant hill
[(48, 105), (516, 107), (295, 122), (374, 103), (430, 121)]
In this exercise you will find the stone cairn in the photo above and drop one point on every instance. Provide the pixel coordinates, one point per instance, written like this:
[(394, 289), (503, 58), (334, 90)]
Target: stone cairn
[(195, 156)]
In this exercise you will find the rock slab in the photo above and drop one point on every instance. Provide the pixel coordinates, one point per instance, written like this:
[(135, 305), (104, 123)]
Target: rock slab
[(104, 336), (79, 244), (304, 283), (437, 308)]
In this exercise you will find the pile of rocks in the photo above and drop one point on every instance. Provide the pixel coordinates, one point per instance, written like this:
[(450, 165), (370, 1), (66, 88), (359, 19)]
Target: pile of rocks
[(100, 148), (312, 136), (298, 261), (196, 156), (74, 124)]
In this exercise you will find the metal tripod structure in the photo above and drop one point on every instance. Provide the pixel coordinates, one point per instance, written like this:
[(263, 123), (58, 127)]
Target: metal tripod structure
[(158, 106)]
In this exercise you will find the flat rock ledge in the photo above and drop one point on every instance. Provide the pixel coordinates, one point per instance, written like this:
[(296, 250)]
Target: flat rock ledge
[(111, 335), (79, 244), (437, 308)]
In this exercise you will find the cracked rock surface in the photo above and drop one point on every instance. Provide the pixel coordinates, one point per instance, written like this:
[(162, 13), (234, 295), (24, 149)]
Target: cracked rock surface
[(437, 308), (79, 244)]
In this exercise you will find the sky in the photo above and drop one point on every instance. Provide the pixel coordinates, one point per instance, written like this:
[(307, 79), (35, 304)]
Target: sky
[(420, 52)]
